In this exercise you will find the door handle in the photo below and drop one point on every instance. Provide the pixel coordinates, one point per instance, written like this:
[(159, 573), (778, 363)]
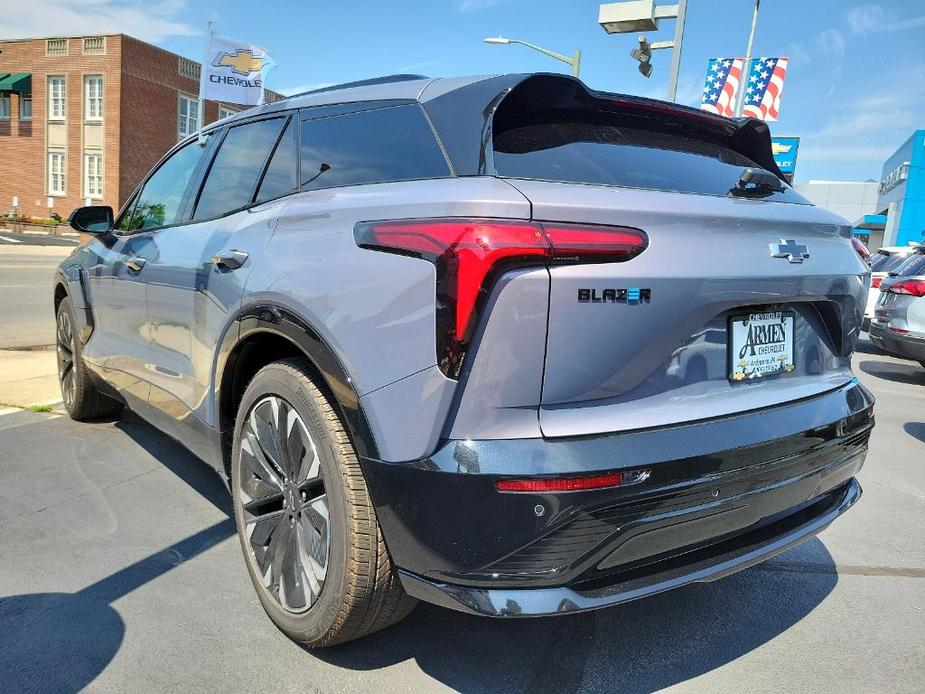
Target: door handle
[(229, 260), (135, 264)]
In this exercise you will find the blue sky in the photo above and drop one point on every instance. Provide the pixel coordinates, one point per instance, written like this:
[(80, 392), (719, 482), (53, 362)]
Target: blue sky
[(854, 91)]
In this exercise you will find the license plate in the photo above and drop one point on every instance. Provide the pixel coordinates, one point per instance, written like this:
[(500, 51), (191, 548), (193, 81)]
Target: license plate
[(760, 345)]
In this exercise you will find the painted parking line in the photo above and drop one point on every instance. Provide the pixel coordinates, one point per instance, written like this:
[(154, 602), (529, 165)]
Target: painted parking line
[(9, 240)]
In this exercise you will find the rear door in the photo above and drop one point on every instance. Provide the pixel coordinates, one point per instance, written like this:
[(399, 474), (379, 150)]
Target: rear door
[(627, 343), (196, 274)]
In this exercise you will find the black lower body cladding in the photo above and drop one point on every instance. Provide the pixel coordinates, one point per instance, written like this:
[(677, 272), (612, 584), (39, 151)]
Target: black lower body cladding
[(743, 497)]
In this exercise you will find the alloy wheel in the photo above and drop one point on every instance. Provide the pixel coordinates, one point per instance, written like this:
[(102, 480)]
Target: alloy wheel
[(285, 509), (66, 348)]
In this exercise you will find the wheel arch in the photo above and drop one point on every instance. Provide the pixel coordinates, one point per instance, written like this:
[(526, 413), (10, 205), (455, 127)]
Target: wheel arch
[(267, 333)]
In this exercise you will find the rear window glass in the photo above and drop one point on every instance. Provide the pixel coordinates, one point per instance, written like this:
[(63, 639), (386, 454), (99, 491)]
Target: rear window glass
[(912, 266), (884, 262), (585, 148), (389, 144)]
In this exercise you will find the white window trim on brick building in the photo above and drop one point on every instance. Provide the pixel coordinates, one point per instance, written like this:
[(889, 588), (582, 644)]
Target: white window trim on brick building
[(57, 168), (225, 111), (187, 123), (93, 97), (25, 108), (6, 107), (57, 97), (93, 175)]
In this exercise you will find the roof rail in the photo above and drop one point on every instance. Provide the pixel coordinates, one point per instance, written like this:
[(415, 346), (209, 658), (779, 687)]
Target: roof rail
[(362, 83)]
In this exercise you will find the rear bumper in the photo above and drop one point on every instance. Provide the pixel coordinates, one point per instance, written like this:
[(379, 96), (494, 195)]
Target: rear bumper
[(900, 345), (720, 496), (726, 558)]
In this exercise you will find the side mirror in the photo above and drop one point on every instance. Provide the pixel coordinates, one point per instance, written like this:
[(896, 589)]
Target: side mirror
[(96, 219)]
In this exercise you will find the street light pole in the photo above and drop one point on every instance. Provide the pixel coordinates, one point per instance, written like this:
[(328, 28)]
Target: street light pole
[(574, 61), (676, 53)]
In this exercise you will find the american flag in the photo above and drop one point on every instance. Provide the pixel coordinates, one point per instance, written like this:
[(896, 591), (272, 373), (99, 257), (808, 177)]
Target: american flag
[(719, 89), (763, 88)]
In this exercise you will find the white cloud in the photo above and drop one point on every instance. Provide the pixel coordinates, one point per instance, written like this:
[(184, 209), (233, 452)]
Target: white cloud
[(152, 21), (833, 43), (466, 6), (867, 19)]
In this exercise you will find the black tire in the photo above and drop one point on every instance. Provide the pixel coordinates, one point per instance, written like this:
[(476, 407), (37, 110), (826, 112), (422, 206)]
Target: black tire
[(359, 590), (82, 399)]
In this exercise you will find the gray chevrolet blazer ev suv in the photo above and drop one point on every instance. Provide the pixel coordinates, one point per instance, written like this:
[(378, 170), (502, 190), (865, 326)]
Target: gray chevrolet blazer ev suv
[(504, 344)]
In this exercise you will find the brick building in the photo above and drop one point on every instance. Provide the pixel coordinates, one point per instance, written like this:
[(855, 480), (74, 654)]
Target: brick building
[(86, 117)]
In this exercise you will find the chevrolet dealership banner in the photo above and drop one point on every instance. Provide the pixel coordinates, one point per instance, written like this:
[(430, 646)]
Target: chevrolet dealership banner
[(785, 151), (233, 71)]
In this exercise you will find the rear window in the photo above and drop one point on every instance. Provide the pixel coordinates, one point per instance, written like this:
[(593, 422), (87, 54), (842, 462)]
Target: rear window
[(912, 266), (884, 262), (585, 148), (378, 146)]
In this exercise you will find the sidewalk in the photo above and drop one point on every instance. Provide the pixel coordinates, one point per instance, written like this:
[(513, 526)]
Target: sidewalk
[(28, 378)]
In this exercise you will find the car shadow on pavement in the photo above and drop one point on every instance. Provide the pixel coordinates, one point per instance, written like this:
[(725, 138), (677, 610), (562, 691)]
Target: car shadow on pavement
[(60, 642), (637, 647), (900, 372), (916, 430)]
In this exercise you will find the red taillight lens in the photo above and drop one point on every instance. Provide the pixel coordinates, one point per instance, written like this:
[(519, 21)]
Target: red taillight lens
[(468, 253), (562, 484), (875, 282), (862, 250), (912, 287)]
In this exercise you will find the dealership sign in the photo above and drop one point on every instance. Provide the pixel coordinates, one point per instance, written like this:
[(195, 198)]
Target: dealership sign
[(785, 151)]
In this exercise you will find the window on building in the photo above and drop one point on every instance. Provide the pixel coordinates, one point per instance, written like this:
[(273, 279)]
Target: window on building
[(161, 198), (55, 46), (25, 108), (94, 45), (56, 173), (93, 97), (188, 116), (225, 111), (57, 98), (188, 68), (236, 168), (389, 144), (282, 174), (4, 106), (93, 175)]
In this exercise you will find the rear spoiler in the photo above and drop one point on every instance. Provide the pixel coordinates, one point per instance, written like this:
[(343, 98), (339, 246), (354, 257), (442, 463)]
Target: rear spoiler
[(465, 118)]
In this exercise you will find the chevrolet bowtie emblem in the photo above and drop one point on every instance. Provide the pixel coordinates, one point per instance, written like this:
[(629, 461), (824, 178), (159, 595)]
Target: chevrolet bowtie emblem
[(242, 62), (791, 250)]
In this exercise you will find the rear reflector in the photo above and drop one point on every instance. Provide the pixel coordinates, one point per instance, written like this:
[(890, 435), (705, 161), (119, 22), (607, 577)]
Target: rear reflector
[(573, 484), (875, 282), (911, 287), (898, 331), (469, 253)]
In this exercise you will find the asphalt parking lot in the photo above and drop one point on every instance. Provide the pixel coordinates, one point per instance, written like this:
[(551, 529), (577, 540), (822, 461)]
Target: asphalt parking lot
[(120, 572)]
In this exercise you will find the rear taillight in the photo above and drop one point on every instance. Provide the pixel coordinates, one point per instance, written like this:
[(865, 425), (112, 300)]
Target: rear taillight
[(875, 282), (469, 254), (572, 484), (862, 250), (911, 287)]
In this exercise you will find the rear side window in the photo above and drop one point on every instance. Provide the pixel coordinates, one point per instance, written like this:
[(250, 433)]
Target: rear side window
[(282, 176), (389, 144), (913, 266), (590, 147), (884, 262), (233, 177)]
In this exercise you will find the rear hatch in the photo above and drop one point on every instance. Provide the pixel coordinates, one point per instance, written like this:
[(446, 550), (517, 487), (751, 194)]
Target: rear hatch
[(739, 302)]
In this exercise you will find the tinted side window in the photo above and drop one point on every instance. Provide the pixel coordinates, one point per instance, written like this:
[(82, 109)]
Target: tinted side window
[(885, 263), (159, 203), (389, 144), (282, 173), (237, 166)]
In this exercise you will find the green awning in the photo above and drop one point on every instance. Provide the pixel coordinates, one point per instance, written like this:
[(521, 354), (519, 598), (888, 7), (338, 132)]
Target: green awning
[(20, 82)]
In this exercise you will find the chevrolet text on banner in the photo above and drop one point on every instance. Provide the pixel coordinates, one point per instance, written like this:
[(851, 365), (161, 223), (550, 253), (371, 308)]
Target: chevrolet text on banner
[(763, 87), (233, 71)]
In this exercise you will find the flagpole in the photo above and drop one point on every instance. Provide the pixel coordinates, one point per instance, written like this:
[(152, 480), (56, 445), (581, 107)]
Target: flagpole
[(740, 97), (202, 87)]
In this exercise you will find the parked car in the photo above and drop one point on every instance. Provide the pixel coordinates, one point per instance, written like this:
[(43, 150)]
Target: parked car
[(424, 330), (884, 260), (899, 322)]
